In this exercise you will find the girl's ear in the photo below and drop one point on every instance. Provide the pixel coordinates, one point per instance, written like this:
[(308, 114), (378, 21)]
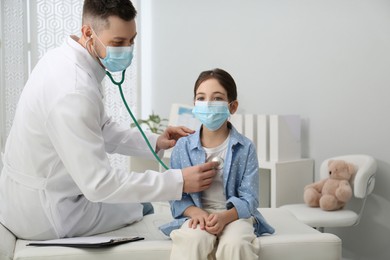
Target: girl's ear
[(233, 107)]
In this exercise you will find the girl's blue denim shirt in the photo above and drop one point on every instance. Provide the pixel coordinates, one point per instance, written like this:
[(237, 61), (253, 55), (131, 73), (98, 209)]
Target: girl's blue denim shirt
[(240, 179)]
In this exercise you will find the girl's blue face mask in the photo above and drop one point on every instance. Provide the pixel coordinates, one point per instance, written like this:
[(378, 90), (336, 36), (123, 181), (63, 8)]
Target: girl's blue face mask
[(117, 58), (212, 114)]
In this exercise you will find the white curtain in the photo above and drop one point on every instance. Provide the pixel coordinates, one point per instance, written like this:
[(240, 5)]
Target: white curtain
[(29, 28)]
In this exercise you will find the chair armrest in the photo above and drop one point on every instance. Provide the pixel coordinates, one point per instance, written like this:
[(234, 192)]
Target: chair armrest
[(7, 244)]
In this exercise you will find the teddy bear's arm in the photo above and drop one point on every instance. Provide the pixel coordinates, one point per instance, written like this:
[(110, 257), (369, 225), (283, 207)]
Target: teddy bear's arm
[(344, 191), (316, 185)]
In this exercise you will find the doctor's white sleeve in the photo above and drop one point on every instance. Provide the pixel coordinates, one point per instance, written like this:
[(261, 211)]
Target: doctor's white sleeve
[(74, 126), (125, 140)]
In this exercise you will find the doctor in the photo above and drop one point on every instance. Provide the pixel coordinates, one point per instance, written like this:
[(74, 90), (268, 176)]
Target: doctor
[(57, 180)]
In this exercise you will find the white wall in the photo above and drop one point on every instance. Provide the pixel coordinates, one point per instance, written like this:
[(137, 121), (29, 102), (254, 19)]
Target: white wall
[(327, 60)]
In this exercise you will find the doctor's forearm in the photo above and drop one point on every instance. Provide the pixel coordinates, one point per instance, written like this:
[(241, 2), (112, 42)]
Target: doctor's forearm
[(127, 141)]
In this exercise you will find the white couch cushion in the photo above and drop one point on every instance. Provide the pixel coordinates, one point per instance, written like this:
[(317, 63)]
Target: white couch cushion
[(7, 243), (295, 240), (292, 240)]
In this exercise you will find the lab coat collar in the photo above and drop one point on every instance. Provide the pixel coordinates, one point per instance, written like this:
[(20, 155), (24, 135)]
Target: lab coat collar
[(84, 59)]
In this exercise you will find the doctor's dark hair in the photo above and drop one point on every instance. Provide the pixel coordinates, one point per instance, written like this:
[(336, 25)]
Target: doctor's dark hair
[(98, 11), (223, 77)]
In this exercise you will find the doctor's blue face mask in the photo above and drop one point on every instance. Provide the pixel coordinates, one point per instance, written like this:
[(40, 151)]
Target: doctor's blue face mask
[(212, 114), (117, 58)]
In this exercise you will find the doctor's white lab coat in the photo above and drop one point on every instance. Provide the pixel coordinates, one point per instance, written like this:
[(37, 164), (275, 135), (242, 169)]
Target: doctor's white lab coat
[(57, 180)]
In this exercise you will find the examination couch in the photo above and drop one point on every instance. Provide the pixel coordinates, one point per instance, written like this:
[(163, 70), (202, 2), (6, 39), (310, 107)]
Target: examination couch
[(292, 240)]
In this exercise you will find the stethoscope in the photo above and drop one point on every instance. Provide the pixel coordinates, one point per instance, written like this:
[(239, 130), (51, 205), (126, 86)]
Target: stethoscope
[(217, 159), (119, 84)]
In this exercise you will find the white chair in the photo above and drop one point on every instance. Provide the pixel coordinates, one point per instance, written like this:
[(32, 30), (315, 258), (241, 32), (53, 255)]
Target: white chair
[(362, 184)]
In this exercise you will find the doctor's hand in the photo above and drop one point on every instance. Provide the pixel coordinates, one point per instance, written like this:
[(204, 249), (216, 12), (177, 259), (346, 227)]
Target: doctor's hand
[(198, 178), (168, 139)]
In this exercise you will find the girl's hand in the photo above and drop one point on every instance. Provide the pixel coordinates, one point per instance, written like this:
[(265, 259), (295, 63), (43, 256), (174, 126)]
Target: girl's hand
[(215, 223), (197, 217)]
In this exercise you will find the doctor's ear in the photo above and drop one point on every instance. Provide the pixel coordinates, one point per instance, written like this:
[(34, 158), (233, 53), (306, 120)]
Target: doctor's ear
[(86, 31)]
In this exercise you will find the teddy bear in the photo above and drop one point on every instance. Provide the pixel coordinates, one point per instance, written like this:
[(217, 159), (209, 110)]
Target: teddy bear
[(334, 192)]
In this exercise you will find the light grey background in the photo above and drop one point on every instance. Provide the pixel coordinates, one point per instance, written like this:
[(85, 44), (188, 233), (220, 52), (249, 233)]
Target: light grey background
[(326, 60)]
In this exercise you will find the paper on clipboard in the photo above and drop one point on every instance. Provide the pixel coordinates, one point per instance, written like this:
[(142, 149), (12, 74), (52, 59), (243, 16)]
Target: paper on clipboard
[(86, 242)]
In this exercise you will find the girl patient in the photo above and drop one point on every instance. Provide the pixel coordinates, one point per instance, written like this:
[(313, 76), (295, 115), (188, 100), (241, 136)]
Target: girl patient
[(221, 222)]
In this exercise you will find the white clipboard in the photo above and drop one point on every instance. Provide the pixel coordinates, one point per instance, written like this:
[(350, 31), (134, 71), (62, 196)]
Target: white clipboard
[(86, 242)]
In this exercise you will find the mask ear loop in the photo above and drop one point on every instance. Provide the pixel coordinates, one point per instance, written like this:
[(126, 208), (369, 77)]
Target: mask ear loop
[(93, 46), (229, 106), (119, 84), (86, 45)]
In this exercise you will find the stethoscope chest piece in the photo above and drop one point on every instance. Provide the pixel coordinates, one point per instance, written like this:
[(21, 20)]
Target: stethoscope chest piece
[(217, 159)]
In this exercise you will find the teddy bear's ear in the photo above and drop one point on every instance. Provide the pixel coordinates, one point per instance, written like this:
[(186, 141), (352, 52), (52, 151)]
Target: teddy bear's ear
[(330, 162), (351, 168)]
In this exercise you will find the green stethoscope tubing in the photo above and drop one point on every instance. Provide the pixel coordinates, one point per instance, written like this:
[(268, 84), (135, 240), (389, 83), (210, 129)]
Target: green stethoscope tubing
[(119, 84)]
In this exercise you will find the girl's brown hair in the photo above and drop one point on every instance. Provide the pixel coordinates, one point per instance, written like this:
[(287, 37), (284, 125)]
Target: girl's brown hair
[(224, 78)]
